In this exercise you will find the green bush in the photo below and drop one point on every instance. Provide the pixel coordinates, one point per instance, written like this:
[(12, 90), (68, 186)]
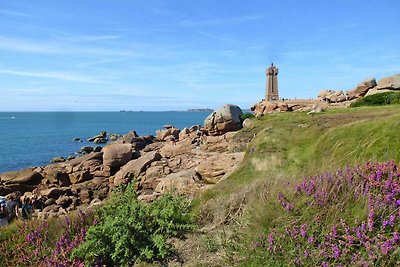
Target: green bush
[(246, 115), (129, 231), (386, 98)]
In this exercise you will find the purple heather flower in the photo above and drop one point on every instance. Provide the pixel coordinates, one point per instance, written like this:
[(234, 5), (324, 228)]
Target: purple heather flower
[(334, 231), (392, 219), (336, 252), (358, 233), (270, 239), (396, 237), (385, 223), (371, 220), (324, 264), (303, 230), (386, 247)]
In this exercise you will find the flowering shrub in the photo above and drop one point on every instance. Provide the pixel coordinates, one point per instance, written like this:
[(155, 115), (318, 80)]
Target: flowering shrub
[(33, 244), (129, 231), (347, 218)]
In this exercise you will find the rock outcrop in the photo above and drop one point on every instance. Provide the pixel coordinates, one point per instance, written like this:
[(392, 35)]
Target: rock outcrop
[(362, 88), (267, 107), (162, 135), (181, 181), (116, 155), (389, 83), (135, 167), (223, 120)]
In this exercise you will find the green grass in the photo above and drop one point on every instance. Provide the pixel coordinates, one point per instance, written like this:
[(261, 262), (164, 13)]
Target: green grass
[(287, 148)]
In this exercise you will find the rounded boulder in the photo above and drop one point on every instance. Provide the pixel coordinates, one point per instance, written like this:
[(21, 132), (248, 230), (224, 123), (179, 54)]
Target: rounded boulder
[(117, 155), (224, 119)]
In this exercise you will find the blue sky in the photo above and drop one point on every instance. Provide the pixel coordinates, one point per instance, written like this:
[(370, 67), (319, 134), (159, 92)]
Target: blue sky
[(174, 55)]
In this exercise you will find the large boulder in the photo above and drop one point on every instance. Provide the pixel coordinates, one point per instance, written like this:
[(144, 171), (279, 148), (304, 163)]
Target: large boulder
[(80, 176), (130, 137), (213, 167), (390, 83), (90, 162), (258, 108), (58, 159), (55, 192), (375, 91), (362, 88), (184, 133), (247, 123), (162, 135), (324, 93), (315, 109), (270, 107), (135, 167), (100, 140), (283, 107), (225, 119), (116, 155), (182, 182), (99, 136), (172, 150), (27, 176)]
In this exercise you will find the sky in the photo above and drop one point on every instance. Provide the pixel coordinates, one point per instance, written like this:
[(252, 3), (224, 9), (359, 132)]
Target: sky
[(155, 55)]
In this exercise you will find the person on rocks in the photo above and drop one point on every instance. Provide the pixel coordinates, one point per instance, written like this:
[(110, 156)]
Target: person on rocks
[(3, 211), (27, 208), (13, 207), (198, 137)]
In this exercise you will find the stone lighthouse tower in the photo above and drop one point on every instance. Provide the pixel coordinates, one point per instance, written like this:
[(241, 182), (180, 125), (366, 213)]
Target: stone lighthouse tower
[(272, 83)]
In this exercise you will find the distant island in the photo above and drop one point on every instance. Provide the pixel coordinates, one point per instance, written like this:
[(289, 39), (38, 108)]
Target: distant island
[(200, 110)]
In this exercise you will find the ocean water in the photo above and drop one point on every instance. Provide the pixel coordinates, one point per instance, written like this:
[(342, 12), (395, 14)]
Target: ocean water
[(33, 138)]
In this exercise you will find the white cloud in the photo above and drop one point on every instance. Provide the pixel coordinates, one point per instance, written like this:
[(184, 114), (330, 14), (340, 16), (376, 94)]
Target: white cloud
[(65, 76), (52, 47)]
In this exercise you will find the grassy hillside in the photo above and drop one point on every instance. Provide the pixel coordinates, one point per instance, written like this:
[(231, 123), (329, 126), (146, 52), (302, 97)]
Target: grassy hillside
[(286, 148)]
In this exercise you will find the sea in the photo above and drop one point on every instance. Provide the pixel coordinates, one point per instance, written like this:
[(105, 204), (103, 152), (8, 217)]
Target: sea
[(29, 139)]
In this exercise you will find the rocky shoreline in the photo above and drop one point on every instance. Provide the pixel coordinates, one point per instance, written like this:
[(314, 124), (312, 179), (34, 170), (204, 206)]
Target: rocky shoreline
[(185, 160)]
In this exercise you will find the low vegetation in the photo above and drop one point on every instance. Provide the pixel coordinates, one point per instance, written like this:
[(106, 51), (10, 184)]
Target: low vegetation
[(49, 243), (347, 218), (246, 115), (261, 199), (128, 231), (121, 233), (387, 98)]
